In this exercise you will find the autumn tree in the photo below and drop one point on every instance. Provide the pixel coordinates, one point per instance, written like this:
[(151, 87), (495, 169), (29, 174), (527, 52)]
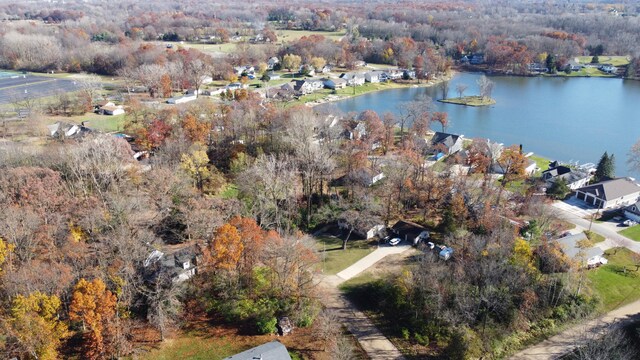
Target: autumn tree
[(291, 61), (442, 118), (36, 326), (165, 85), (95, 307), (318, 63), (512, 162), (226, 248), (196, 165), (5, 252), (196, 130), (389, 123)]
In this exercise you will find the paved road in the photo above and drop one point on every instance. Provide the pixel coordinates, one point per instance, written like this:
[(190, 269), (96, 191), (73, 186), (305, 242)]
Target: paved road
[(561, 344), (373, 342), (613, 238), (32, 86)]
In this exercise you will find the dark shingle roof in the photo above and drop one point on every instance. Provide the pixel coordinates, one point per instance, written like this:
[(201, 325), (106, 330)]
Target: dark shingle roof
[(443, 138), (270, 351), (611, 189)]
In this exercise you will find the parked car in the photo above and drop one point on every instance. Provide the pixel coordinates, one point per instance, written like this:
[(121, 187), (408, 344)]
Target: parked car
[(629, 223), (431, 245), (395, 241)]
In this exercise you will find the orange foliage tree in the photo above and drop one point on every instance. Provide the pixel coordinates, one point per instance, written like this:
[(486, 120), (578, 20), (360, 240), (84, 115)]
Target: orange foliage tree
[(95, 307), (195, 130), (226, 248)]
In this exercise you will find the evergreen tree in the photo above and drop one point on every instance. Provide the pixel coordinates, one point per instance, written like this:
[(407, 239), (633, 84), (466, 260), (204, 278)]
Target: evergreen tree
[(606, 168), (630, 71), (595, 59), (559, 189)]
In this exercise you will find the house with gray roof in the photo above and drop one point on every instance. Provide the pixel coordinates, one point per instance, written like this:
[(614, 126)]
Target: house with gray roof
[(450, 143), (575, 178), (572, 247), (273, 350), (632, 212), (610, 193)]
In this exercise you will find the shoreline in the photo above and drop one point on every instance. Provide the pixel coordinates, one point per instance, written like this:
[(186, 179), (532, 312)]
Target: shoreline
[(427, 83)]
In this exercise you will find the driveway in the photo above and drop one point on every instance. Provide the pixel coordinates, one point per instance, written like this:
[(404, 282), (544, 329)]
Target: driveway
[(576, 207), (372, 340), (571, 214)]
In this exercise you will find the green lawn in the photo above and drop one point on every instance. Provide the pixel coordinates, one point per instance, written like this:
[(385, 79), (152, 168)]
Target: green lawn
[(632, 233), (333, 259), (612, 284), (593, 237), (473, 100), (541, 162), (604, 59), (194, 348), (104, 123)]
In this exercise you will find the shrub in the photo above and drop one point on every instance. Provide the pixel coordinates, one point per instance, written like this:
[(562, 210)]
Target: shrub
[(266, 324), (405, 333), (420, 339)]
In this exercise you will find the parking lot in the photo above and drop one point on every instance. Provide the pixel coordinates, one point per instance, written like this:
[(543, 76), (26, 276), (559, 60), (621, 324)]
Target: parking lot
[(21, 86)]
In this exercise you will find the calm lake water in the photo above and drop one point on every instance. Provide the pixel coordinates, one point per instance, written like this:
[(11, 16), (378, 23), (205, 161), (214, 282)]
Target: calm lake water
[(568, 119)]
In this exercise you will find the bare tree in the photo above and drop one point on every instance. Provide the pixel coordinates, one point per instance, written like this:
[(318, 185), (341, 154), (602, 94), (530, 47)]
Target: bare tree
[(461, 88), (486, 86)]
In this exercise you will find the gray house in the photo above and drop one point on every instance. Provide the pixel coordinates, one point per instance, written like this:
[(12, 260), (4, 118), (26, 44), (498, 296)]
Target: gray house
[(447, 143), (632, 212), (273, 350), (610, 193), (335, 83)]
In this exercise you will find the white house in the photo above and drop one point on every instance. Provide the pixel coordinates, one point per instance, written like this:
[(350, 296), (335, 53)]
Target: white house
[(236, 86), (353, 79), (308, 86), (273, 61), (182, 99), (610, 193), (112, 110), (373, 76), (575, 178)]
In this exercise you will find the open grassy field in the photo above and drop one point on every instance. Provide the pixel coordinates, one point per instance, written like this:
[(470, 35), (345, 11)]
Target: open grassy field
[(632, 233), (294, 35), (473, 100), (618, 282), (104, 123), (194, 348), (333, 259), (605, 59)]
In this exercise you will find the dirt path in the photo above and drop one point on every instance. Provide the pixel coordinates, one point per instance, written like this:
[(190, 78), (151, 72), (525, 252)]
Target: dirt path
[(373, 342), (561, 344)]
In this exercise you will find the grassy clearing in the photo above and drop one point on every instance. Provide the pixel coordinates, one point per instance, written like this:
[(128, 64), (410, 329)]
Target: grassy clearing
[(632, 233), (604, 59), (473, 100), (618, 282), (295, 35), (104, 123), (230, 192), (541, 162), (189, 347), (333, 259), (593, 237)]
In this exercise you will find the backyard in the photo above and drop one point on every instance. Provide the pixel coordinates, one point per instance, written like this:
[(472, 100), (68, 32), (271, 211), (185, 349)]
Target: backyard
[(618, 282), (333, 259)]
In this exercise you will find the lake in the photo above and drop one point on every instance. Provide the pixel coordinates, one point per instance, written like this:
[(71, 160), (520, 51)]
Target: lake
[(568, 119)]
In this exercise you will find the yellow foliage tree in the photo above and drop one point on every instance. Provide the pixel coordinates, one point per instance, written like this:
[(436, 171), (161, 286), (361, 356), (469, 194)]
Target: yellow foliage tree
[(95, 307), (226, 247), (196, 165), (5, 250), (318, 63), (35, 325), (291, 61)]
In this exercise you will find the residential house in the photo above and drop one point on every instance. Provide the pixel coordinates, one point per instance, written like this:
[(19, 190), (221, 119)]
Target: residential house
[(273, 76), (373, 76), (326, 69), (573, 247), (307, 70), (179, 266), (112, 110), (632, 212), (308, 86), (62, 130), (537, 67), (273, 350), (575, 178), (476, 59), (353, 79), (273, 61), (410, 231), (183, 99), (102, 103), (610, 193), (359, 63), (446, 144), (335, 83), (365, 233), (392, 74), (236, 86), (608, 68)]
